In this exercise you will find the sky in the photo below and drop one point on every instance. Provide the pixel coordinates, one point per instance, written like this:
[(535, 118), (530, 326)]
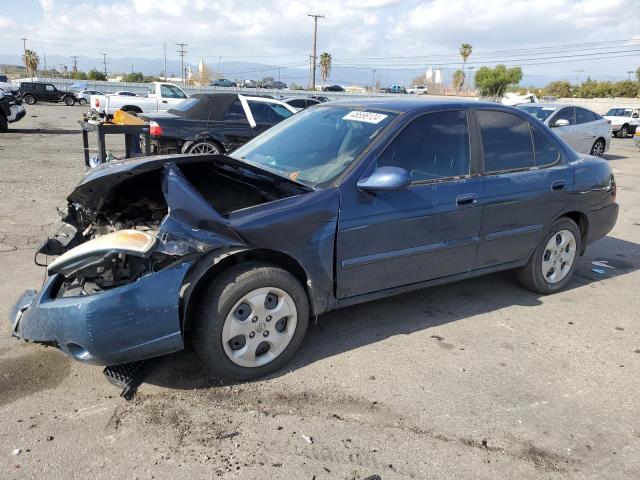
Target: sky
[(362, 35)]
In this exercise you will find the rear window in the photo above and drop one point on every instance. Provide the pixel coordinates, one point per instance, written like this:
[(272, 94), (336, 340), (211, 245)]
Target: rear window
[(506, 141)]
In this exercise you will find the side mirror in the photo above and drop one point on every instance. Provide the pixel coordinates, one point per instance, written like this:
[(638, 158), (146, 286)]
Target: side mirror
[(385, 179), (561, 122)]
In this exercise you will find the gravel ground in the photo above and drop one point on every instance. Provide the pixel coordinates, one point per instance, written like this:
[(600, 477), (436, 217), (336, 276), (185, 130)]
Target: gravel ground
[(478, 379)]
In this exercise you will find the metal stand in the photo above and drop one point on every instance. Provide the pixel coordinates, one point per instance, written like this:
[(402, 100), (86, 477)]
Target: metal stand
[(130, 132)]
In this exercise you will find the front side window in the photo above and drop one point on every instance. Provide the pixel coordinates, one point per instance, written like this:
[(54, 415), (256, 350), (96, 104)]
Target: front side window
[(317, 145), (433, 146), (567, 113), (170, 91), (264, 112), (506, 141), (50, 88)]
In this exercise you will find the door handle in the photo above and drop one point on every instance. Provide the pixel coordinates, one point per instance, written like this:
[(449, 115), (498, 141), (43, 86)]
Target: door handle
[(466, 199), (164, 101), (558, 185)]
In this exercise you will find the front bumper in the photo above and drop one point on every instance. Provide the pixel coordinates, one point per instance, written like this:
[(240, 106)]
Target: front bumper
[(133, 322), (17, 113)]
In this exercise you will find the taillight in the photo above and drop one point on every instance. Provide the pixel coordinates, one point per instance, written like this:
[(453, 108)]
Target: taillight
[(155, 129)]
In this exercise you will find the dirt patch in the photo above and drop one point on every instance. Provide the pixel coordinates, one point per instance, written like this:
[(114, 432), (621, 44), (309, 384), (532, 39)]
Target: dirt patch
[(40, 369)]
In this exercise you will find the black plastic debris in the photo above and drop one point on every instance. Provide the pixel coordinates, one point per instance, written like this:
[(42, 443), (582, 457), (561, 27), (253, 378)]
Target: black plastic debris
[(128, 376)]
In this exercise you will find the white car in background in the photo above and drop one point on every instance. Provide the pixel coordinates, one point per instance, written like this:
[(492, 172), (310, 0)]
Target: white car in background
[(162, 97), (418, 89), (624, 120), (84, 96), (585, 131)]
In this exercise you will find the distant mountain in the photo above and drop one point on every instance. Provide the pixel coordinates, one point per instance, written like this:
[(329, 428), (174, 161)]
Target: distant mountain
[(255, 71)]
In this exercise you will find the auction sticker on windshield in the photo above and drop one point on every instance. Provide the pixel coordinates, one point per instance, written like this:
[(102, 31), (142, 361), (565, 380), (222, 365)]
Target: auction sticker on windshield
[(367, 117)]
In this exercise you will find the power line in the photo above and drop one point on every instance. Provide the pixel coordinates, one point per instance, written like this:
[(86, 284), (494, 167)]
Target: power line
[(182, 53)]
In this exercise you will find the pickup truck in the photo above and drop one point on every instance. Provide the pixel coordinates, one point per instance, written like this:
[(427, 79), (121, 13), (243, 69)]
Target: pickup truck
[(163, 97)]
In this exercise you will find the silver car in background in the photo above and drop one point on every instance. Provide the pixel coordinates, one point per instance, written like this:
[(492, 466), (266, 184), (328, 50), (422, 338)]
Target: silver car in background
[(585, 131)]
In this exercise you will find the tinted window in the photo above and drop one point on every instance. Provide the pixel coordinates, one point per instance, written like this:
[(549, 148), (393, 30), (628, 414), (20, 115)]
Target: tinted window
[(567, 113), (268, 112), (298, 103), (546, 151), (506, 141), (541, 113), (435, 145), (50, 88), (584, 116), (235, 112)]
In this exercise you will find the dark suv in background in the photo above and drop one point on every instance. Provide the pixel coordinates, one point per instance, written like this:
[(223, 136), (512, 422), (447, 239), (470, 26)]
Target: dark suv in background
[(33, 92)]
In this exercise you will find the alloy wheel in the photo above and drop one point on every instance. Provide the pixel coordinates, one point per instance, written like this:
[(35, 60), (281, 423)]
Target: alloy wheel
[(259, 327), (204, 147), (598, 148), (558, 257)]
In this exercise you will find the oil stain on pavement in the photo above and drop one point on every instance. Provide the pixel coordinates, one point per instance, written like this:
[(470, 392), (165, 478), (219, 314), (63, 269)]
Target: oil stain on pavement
[(39, 369)]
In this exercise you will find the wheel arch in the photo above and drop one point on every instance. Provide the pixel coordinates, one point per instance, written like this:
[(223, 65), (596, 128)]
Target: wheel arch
[(204, 138), (131, 108), (580, 219), (213, 264)]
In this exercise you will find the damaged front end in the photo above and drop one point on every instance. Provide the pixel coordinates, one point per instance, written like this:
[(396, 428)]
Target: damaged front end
[(130, 235)]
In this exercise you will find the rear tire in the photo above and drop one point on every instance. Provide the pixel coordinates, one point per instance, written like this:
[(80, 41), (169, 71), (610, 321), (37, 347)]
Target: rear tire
[(30, 100), (598, 148), (623, 132), (205, 147), (249, 321), (549, 270), (69, 101)]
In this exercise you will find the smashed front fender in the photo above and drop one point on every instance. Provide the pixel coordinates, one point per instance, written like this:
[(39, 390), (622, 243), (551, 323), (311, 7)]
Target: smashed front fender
[(132, 322)]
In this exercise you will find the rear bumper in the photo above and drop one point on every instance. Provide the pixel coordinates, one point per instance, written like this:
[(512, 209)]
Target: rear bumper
[(602, 221), (128, 323)]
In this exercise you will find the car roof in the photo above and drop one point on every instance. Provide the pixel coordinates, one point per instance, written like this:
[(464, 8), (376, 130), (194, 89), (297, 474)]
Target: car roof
[(410, 105)]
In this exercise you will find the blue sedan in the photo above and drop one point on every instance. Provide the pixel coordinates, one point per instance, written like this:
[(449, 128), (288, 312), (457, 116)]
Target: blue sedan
[(340, 204)]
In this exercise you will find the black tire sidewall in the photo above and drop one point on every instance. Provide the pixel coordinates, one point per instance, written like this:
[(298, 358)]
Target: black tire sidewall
[(221, 295), (538, 278), (66, 101), (82, 101), (29, 99), (599, 141)]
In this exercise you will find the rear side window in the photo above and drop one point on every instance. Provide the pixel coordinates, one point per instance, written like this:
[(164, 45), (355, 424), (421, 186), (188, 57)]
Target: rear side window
[(506, 141), (584, 116), (546, 151), (433, 146), (235, 112), (264, 112), (298, 103)]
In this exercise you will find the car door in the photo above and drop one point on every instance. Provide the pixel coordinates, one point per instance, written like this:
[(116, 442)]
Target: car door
[(569, 132), (265, 115), (50, 93), (525, 185), (586, 130), (235, 127), (171, 96), (426, 231)]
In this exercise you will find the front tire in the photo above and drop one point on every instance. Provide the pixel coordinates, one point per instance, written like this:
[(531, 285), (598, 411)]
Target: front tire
[(250, 321), (30, 99), (554, 260)]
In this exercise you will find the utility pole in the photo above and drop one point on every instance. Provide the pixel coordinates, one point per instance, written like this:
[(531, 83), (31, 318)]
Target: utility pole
[(24, 44), (104, 61), (182, 52), (75, 63), (218, 70), (629, 72), (314, 55), (165, 60), (373, 80), (578, 72), (44, 57)]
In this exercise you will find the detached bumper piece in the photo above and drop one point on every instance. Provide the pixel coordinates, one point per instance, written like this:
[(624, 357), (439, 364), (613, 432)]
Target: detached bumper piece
[(128, 376)]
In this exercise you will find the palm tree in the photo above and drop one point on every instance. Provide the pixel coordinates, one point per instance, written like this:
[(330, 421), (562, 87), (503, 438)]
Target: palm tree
[(458, 80), (31, 61), (325, 66), (465, 53)]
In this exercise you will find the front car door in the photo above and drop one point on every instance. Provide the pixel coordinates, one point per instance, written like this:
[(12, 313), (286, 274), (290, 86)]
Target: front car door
[(525, 186), (50, 93), (171, 96), (428, 230), (568, 133)]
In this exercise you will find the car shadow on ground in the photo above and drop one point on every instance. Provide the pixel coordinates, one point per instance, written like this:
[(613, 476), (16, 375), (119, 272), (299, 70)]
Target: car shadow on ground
[(40, 131), (357, 326)]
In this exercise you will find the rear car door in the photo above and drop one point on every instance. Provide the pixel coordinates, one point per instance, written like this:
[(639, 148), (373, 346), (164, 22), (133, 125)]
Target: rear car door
[(586, 129), (568, 133), (235, 127), (426, 231), (525, 185)]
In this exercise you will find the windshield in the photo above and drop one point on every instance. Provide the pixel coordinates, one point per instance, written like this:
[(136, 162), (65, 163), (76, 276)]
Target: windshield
[(619, 112), (541, 113), (315, 146)]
